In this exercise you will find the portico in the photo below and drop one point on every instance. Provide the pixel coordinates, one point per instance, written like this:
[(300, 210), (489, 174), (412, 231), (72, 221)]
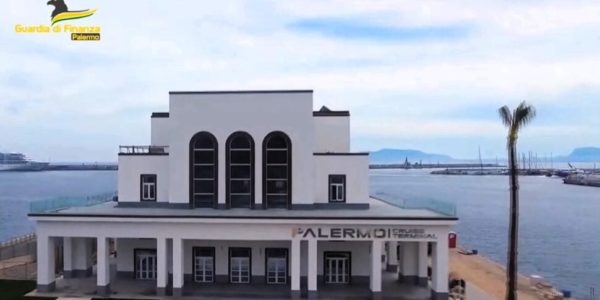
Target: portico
[(318, 252), (250, 189)]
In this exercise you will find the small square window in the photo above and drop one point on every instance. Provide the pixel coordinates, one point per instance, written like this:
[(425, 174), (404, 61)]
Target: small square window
[(148, 187), (337, 188)]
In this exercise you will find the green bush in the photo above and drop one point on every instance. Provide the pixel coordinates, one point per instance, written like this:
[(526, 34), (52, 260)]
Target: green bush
[(15, 289)]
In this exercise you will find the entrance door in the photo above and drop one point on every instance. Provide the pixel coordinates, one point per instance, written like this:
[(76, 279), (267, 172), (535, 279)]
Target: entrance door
[(276, 265), (145, 267), (204, 264), (239, 265), (337, 267)]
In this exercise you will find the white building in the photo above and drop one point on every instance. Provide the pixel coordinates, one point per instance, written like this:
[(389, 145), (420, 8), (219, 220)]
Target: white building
[(246, 189)]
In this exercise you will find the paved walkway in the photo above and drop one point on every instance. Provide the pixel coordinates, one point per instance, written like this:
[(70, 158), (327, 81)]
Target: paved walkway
[(146, 289)]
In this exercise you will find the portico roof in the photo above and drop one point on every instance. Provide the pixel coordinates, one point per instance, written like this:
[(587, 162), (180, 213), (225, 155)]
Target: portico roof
[(378, 210)]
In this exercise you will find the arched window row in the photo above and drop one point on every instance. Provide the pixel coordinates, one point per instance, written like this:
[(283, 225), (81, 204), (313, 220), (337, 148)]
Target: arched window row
[(240, 170)]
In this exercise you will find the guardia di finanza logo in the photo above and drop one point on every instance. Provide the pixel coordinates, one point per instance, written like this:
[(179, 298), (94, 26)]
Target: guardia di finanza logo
[(62, 13)]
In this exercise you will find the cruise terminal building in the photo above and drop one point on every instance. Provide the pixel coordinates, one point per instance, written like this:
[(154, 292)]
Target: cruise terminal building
[(247, 194)]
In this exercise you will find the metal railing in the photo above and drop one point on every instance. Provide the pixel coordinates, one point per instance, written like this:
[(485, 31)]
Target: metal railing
[(18, 246), (143, 149), (438, 206), (55, 204)]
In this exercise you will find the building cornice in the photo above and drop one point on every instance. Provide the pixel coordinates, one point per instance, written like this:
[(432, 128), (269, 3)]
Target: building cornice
[(56, 216), (341, 153), (159, 115), (240, 92), (337, 113)]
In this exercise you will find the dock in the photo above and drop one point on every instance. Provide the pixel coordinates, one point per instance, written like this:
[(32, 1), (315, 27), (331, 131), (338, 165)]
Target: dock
[(583, 179), (68, 167)]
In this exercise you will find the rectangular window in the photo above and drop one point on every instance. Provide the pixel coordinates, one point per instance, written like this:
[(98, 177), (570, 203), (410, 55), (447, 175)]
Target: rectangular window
[(337, 188), (277, 260), (148, 187), (337, 267), (204, 264), (239, 265)]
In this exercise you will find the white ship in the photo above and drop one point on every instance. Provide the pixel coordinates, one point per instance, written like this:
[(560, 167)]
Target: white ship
[(18, 162)]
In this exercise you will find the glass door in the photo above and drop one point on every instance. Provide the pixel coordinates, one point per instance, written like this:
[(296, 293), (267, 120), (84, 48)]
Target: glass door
[(239, 265), (240, 270), (276, 270), (204, 264), (337, 268), (145, 265), (204, 269)]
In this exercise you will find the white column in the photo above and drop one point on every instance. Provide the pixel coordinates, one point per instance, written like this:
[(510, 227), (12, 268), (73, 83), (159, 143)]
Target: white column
[(177, 266), (295, 267), (423, 263), (439, 266), (392, 257), (103, 267), (67, 257), (312, 266), (409, 262), (376, 247), (161, 266), (45, 263)]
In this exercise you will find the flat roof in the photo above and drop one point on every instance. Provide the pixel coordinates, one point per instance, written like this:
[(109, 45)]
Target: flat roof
[(240, 92), (378, 210), (159, 115)]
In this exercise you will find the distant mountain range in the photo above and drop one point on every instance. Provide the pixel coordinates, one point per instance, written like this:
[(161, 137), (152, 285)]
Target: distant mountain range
[(390, 156), (583, 154)]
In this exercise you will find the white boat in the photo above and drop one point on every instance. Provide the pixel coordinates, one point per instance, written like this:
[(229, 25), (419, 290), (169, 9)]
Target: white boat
[(18, 162)]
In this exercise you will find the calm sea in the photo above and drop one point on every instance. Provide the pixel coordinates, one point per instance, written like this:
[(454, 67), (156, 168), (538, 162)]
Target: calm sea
[(17, 189), (559, 227), (559, 224)]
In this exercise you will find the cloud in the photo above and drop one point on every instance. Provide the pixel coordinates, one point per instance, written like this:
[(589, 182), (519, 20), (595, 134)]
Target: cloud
[(355, 29), (412, 73)]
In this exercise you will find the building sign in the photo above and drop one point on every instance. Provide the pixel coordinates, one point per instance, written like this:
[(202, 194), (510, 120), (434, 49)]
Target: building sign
[(357, 233)]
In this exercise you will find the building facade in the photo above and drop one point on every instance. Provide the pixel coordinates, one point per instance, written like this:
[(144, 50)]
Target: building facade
[(251, 189)]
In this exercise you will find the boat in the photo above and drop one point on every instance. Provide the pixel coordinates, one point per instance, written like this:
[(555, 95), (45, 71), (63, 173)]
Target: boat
[(19, 162), (583, 179)]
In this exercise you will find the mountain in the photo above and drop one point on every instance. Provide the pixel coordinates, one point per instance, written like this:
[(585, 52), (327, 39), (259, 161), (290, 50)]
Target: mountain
[(387, 156), (583, 154)]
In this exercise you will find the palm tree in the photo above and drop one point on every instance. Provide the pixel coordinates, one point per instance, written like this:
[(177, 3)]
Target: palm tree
[(514, 121)]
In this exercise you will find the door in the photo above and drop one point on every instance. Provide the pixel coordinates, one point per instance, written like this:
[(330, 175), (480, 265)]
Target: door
[(239, 265), (204, 264), (337, 267), (145, 264), (276, 265)]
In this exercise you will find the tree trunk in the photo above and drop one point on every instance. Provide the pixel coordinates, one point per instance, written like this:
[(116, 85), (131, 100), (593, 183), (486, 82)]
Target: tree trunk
[(513, 229)]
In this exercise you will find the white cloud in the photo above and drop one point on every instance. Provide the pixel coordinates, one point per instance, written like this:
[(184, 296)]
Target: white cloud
[(531, 50)]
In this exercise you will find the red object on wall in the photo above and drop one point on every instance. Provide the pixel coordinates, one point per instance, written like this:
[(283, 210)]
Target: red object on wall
[(452, 239)]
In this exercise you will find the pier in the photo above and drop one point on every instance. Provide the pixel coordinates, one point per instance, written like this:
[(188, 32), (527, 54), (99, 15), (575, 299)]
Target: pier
[(67, 167)]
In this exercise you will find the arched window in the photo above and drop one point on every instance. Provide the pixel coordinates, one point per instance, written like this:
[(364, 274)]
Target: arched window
[(240, 170), (203, 170), (277, 170)]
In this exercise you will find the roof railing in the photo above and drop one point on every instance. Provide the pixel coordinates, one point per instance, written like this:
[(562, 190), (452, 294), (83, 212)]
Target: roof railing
[(150, 149), (55, 204), (441, 207)]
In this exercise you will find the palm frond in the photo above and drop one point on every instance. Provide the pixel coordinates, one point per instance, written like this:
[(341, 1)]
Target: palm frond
[(523, 114), (505, 115)]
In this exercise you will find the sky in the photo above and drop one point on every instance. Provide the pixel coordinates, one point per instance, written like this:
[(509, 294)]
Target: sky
[(427, 75)]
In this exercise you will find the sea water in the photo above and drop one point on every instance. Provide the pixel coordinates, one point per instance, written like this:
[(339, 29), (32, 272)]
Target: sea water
[(559, 224), (559, 229), (18, 189)]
